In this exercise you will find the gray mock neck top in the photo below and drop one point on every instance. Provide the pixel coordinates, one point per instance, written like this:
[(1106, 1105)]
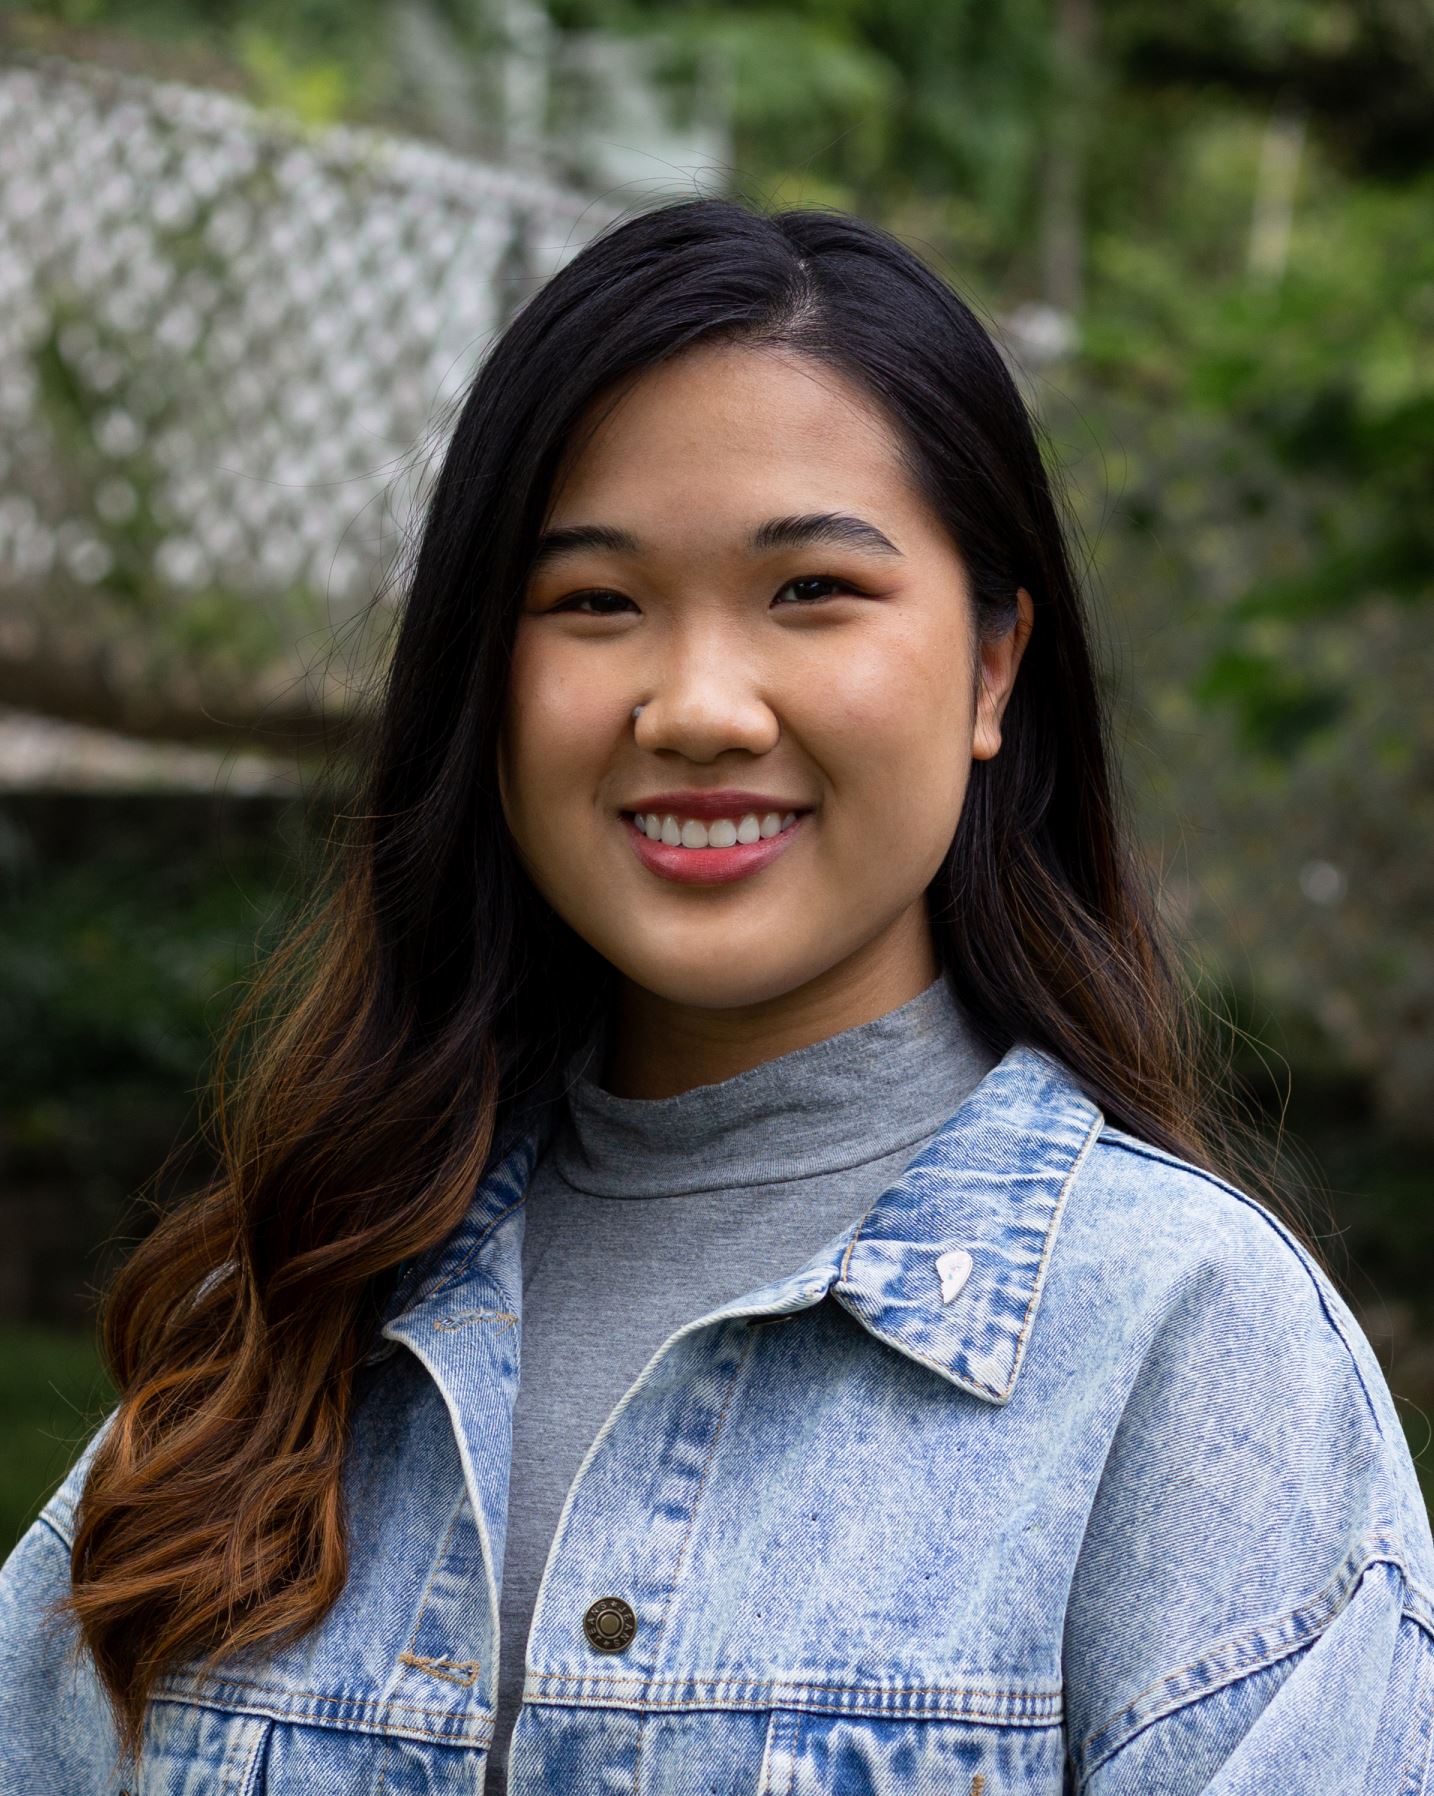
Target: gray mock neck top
[(667, 1207)]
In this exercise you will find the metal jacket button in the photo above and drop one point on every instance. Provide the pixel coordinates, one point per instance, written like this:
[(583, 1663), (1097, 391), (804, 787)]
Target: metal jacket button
[(610, 1624)]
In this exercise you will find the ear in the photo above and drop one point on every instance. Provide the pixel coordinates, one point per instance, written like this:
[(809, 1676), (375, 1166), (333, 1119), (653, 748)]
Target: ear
[(1000, 658)]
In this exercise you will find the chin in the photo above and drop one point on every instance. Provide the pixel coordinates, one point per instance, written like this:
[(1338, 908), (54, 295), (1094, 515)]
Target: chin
[(721, 978)]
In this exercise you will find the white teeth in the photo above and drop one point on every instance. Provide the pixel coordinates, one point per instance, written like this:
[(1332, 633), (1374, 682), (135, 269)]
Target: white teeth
[(716, 832)]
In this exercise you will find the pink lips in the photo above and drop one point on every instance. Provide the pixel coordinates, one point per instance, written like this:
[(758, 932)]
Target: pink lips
[(709, 866)]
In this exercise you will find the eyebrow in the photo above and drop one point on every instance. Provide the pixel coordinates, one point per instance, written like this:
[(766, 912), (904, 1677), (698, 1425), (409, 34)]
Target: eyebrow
[(810, 530)]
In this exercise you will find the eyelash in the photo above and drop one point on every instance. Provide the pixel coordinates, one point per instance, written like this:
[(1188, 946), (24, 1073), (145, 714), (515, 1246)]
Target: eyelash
[(843, 586)]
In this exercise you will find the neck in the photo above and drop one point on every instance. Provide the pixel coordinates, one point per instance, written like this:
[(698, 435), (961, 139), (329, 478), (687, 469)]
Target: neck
[(659, 1047)]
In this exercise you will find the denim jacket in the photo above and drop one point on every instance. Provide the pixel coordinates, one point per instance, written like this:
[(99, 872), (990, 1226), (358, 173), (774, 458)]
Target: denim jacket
[(1063, 1472)]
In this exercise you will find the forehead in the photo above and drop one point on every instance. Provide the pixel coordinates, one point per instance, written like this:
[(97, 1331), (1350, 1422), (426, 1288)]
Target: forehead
[(726, 427)]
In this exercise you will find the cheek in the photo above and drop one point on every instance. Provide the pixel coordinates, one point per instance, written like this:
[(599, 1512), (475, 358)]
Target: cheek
[(897, 730), (554, 730)]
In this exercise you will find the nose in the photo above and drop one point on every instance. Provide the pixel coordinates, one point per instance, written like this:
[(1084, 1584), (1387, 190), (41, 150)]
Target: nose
[(702, 705)]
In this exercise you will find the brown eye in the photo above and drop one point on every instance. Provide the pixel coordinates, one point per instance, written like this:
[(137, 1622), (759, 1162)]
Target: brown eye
[(576, 601), (814, 587)]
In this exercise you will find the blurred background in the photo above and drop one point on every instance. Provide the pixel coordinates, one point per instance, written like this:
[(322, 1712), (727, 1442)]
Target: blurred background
[(250, 255)]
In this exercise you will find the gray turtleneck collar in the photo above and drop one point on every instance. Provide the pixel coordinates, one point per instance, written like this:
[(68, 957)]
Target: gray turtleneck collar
[(855, 1097)]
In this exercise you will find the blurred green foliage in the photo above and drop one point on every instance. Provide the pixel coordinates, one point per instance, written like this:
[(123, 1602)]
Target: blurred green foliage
[(53, 1395), (127, 927), (115, 973)]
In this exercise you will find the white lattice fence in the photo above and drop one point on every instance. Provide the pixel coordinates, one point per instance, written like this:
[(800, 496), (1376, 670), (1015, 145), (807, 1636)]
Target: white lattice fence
[(225, 349)]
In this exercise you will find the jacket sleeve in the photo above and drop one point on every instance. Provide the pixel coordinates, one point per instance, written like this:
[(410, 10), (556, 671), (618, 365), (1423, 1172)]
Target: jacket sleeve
[(58, 1734), (1252, 1610)]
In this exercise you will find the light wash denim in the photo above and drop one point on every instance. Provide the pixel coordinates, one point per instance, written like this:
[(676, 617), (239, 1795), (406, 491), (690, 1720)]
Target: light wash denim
[(1125, 1509)]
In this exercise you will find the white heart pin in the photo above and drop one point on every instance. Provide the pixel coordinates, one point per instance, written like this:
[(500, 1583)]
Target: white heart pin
[(953, 1269)]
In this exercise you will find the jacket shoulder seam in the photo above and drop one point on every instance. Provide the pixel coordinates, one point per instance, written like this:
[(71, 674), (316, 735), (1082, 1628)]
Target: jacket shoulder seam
[(1130, 1144), (52, 1523), (1145, 1150)]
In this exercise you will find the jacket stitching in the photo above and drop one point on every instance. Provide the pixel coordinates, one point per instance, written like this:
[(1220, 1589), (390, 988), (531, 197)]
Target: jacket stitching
[(1414, 1780), (434, 1667), (59, 1533), (784, 1732), (249, 1772), (668, 1705), (1335, 1598), (456, 1275), (1420, 1608), (708, 1683), (178, 1689), (466, 1319), (1052, 1222), (691, 1519), (438, 1559), (481, 1735), (944, 1367), (447, 1669), (514, 1148), (855, 1237)]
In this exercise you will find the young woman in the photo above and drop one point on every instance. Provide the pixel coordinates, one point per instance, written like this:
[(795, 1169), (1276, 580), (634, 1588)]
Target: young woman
[(736, 1010)]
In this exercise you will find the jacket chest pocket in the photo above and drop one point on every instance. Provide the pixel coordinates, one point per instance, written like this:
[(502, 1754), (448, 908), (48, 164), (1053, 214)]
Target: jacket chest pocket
[(195, 1750), (857, 1755), (560, 1749), (191, 1749)]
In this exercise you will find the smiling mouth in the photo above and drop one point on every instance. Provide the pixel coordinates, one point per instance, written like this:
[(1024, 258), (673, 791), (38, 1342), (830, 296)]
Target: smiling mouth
[(673, 831)]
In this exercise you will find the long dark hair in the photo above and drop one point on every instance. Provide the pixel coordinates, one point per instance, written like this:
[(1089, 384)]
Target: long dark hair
[(426, 991)]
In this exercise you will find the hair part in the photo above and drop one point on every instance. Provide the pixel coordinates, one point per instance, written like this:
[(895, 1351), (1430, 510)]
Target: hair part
[(427, 993)]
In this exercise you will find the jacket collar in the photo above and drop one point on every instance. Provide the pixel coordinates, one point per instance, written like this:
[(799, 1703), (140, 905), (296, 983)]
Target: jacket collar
[(947, 1265)]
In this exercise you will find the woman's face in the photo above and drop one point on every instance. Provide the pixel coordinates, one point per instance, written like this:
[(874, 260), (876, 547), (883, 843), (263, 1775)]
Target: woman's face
[(738, 550)]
